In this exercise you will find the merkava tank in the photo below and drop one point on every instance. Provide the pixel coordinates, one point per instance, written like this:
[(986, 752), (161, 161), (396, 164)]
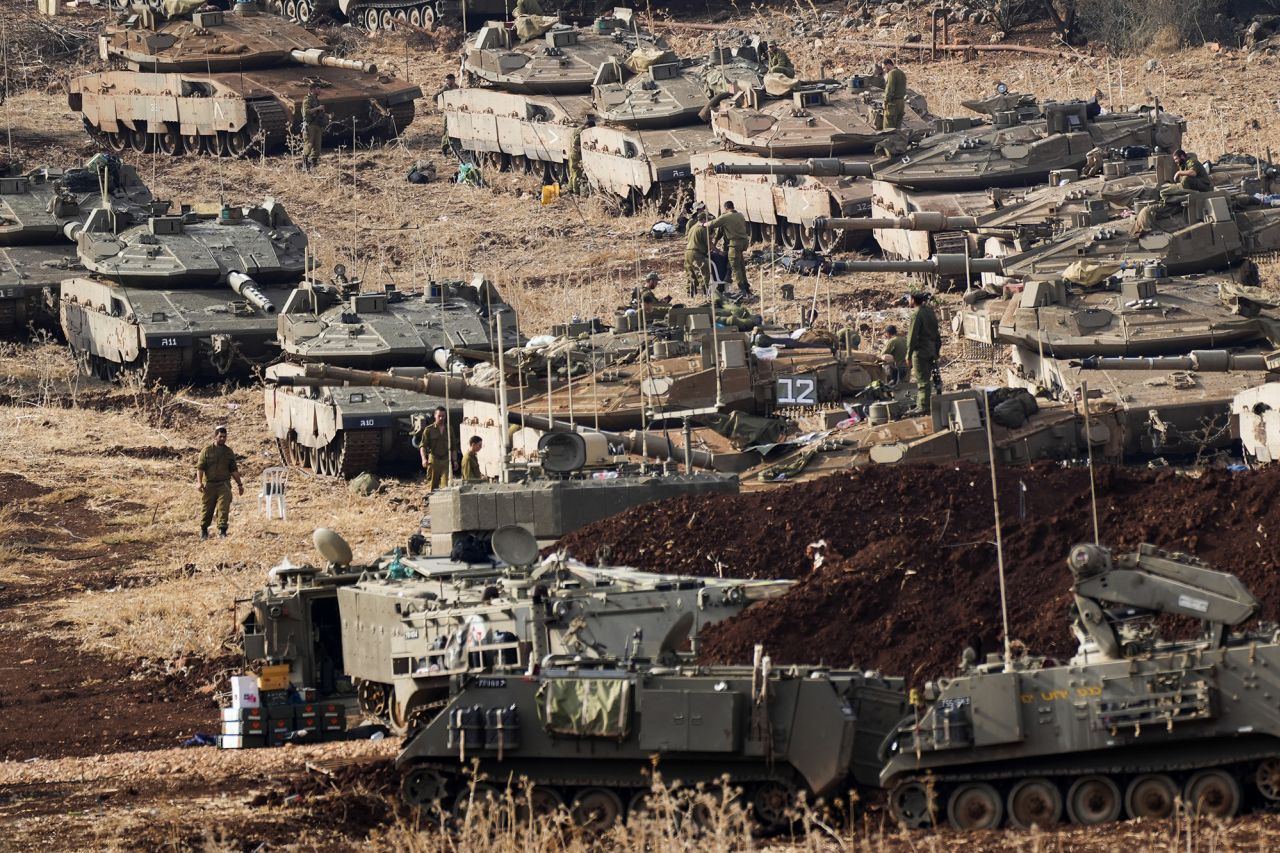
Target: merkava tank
[(399, 630), (176, 298), (231, 83), (551, 58), (592, 735), (507, 131), (35, 254), (385, 15), (1130, 725)]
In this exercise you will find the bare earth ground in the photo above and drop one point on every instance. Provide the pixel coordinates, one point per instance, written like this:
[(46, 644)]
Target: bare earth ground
[(117, 622)]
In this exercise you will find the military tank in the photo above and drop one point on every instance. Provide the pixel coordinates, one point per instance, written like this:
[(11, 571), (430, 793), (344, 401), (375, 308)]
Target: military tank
[(35, 254), (229, 84), (180, 297), (1130, 725), (514, 132), (588, 735)]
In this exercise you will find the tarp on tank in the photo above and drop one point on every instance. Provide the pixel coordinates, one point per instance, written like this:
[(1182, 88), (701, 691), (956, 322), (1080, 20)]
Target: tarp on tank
[(586, 707)]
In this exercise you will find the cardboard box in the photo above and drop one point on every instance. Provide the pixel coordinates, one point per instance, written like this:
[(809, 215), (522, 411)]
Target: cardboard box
[(274, 678), (244, 692)]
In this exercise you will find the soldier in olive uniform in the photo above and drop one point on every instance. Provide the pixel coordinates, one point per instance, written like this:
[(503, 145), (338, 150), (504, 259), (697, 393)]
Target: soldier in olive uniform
[(312, 127), (732, 227), (577, 178), (894, 353), (780, 63), (1191, 174), (848, 338), (434, 450), (215, 469), (895, 95), (471, 461), (697, 254), (923, 345), (527, 7)]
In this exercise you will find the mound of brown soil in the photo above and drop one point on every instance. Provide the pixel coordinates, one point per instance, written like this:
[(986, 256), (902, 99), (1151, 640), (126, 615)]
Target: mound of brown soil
[(910, 577)]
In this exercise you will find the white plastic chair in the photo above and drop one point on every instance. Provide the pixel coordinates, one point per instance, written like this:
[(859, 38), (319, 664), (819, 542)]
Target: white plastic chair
[(272, 491)]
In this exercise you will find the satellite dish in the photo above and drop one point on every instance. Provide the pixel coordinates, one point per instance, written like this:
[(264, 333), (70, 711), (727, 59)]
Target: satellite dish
[(514, 545), (886, 454), (1002, 89), (339, 270), (332, 546)]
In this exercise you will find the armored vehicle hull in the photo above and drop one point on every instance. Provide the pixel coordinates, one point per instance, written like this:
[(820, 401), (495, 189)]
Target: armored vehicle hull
[(776, 733), (782, 208), (511, 131), (168, 337), (230, 84), (29, 280), (637, 165), (1130, 725)]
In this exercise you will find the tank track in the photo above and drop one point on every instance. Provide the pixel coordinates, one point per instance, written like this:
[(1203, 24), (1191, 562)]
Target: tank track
[(161, 367), (402, 116), (428, 13), (272, 121)]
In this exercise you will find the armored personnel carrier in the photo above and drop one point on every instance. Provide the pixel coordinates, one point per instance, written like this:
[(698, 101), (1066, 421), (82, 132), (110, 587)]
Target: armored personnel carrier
[(231, 83), (175, 298), (399, 630), (589, 734), (1129, 725)]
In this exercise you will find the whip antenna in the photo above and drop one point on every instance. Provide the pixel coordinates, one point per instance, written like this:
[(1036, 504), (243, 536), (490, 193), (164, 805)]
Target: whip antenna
[(995, 503)]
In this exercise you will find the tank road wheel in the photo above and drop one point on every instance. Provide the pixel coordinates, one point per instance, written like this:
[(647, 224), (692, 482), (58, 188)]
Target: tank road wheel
[(415, 16), (422, 787), (596, 810), (239, 143), (809, 238), (769, 234), (169, 142), (1212, 793), (791, 235), (401, 18), (1035, 802), (140, 140), (118, 140), (520, 164), (1151, 795), (209, 144), (372, 696), (1092, 800), (486, 796), (975, 805), (191, 143), (371, 20), (386, 20), (306, 11), (912, 805), (1267, 778), (428, 17), (542, 801), (772, 804), (291, 9)]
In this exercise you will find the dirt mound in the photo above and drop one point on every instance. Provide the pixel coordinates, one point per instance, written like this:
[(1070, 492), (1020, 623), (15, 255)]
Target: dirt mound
[(910, 574)]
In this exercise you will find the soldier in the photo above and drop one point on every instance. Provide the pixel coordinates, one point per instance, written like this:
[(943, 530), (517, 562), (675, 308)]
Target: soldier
[(894, 353), (732, 227), (215, 469), (433, 447), (642, 294), (312, 127), (527, 7), (848, 338), (780, 63), (578, 180), (470, 461), (450, 83), (1191, 174), (895, 94), (697, 254), (923, 345)]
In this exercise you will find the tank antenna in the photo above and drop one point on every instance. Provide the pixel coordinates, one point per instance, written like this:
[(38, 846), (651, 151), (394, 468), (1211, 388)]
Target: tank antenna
[(1088, 443), (995, 503), (503, 412)]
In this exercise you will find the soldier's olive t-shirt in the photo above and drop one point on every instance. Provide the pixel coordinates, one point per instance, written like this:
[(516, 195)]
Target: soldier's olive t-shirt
[(217, 463), (896, 347)]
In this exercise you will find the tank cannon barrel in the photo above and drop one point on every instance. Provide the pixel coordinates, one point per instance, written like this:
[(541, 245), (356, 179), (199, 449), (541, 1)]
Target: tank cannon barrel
[(248, 288), (927, 220), (651, 444), (825, 167), (937, 265), (318, 57), (1205, 361)]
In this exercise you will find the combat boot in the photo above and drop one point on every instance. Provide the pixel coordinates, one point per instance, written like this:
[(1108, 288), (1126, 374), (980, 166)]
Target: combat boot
[(204, 533)]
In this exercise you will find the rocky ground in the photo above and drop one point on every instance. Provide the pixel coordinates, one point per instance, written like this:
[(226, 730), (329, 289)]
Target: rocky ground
[(118, 623)]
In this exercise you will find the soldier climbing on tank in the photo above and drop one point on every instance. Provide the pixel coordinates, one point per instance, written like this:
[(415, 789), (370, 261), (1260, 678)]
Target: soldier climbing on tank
[(215, 469), (471, 461), (434, 450), (780, 63), (895, 94), (893, 355), (313, 121), (848, 338), (577, 178), (697, 254), (527, 7), (731, 226), (923, 344)]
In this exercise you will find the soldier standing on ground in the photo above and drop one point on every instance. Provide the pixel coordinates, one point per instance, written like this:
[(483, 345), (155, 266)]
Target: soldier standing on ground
[(923, 344), (895, 94), (697, 254), (215, 469), (312, 127), (471, 462), (731, 226), (577, 179), (433, 447)]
